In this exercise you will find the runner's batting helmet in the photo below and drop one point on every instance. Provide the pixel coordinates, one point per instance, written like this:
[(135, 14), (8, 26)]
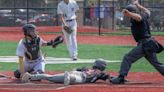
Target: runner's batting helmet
[(100, 64)]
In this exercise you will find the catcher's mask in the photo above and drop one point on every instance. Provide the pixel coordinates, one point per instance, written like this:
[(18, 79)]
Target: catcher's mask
[(30, 30), (131, 8), (99, 64)]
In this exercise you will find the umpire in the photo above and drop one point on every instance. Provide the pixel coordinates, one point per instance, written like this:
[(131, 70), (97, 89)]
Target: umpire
[(147, 46)]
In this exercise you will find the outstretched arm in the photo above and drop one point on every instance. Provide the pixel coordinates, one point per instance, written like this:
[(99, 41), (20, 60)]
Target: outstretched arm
[(140, 7), (56, 41), (132, 15)]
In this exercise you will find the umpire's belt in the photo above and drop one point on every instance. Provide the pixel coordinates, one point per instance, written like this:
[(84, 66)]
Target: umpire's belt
[(145, 40)]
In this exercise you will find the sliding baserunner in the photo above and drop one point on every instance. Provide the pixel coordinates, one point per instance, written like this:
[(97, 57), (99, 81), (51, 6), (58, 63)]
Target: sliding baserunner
[(82, 75)]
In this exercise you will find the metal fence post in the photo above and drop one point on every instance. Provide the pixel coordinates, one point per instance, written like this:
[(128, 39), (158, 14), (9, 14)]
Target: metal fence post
[(27, 9)]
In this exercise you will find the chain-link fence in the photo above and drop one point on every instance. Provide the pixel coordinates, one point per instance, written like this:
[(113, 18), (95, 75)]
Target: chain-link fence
[(104, 15)]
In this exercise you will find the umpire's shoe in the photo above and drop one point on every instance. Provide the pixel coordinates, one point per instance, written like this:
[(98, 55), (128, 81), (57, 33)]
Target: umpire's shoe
[(118, 80)]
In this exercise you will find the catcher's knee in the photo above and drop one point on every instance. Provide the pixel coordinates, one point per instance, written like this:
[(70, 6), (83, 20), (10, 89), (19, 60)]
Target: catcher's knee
[(17, 74), (40, 71), (37, 72)]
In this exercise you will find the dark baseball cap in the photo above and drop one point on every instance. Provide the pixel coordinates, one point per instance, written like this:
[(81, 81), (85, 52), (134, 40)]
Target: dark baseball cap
[(131, 8)]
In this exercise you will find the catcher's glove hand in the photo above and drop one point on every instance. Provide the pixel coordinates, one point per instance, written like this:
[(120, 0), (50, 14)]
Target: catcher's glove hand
[(57, 41), (68, 29)]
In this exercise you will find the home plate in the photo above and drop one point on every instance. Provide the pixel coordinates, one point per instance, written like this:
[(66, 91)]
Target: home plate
[(53, 60)]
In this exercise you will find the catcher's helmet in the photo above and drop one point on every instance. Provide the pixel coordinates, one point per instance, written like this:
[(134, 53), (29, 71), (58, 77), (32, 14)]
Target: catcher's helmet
[(131, 8), (100, 64), (27, 28)]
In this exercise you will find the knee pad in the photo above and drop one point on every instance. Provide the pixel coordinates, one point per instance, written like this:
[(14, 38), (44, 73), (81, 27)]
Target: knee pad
[(17, 74)]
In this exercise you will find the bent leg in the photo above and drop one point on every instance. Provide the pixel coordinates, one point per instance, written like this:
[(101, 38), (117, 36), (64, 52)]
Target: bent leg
[(152, 58), (39, 67), (130, 58)]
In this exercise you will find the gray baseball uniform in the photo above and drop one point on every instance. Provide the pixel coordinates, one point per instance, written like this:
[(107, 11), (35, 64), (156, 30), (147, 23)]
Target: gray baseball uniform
[(59, 78), (77, 76)]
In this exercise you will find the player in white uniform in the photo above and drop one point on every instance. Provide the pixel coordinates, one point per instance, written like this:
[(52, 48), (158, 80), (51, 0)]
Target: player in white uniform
[(67, 10), (28, 50)]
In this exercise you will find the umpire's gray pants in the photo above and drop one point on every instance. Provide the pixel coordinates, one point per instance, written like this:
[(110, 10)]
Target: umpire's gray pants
[(137, 53)]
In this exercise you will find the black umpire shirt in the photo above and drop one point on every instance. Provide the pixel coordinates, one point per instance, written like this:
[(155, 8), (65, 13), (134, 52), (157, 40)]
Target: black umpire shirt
[(140, 30)]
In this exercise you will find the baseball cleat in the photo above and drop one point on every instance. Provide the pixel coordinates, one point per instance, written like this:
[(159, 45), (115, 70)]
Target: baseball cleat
[(74, 58), (66, 78), (25, 77), (118, 80)]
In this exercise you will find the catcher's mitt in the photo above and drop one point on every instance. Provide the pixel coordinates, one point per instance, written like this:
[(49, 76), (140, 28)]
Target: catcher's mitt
[(68, 29), (57, 41)]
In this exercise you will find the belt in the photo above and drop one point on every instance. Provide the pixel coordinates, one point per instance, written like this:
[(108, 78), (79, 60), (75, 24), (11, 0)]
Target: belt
[(145, 40), (70, 20)]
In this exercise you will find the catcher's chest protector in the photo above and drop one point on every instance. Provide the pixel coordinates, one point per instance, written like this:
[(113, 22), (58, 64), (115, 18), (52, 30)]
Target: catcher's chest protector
[(32, 51)]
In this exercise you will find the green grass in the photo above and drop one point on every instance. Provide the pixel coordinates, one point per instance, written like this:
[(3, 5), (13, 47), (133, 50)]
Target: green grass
[(86, 51)]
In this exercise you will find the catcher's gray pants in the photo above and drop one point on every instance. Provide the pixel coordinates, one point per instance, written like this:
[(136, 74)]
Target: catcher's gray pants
[(137, 53), (59, 78), (35, 66)]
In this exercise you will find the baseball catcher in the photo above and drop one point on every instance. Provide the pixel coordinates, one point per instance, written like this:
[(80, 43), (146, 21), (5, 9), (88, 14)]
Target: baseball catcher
[(82, 75), (29, 53)]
